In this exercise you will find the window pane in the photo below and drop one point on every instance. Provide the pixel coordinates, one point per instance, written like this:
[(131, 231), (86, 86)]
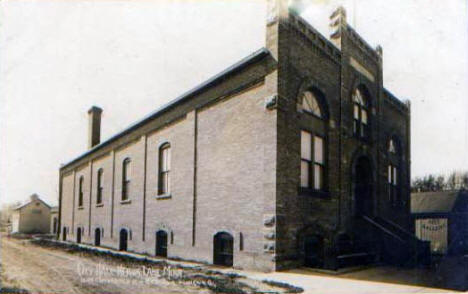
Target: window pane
[(389, 174), (394, 176), (356, 111), (391, 146), (310, 103), (306, 145), (318, 149), (168, 158), (304, 174), (318, 177), (127, 170), (306, 105), (364, 116), (165, 183)]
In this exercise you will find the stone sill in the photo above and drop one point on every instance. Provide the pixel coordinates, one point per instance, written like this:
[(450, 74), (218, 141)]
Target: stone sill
[(313, 193), (80, 207), (164, 196), (128, 201), (99, 204)]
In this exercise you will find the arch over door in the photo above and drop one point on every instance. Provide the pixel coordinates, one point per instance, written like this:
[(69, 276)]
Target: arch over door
[(123, 240), (223, 249), (78, 235), (97, 237), (362, 182), (161, 243)]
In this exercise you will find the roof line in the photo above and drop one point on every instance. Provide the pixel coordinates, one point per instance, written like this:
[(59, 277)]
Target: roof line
[(236, 67)]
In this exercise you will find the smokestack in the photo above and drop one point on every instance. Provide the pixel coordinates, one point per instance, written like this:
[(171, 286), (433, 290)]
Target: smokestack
[(94, 126)]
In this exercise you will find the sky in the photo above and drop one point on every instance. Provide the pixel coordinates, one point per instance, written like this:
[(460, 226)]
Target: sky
[(58, 58)]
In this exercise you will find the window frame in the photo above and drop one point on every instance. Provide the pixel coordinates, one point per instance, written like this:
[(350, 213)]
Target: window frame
[(312, 163), (80, 192), (164, 169), (317, 101), (126, 179), (361, 130), (99, 186), (394, 172)]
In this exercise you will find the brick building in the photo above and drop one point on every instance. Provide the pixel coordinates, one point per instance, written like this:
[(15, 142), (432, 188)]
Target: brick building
[(295, 155)]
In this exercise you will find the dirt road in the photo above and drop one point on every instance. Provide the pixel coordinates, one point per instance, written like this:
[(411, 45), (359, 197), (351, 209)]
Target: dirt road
[(38, 269)]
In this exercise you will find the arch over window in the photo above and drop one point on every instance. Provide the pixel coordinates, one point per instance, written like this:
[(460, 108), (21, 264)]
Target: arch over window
[(164, 169), (126, 179), (80, 191), (311, 104), (360, 99), (99, 186)]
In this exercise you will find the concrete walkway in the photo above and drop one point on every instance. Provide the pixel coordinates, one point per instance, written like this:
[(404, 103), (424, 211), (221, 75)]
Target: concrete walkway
[(365, 281)]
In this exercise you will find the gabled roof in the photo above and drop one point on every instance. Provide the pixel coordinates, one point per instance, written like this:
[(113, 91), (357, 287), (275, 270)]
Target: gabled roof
[(233, 69), (435, 202), (30, 201)]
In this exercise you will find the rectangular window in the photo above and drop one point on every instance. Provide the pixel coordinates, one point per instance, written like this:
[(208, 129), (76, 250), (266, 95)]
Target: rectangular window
[(164, 169), (393, 193), (99, 187), (126, 179), (80, 193), (312, 161)]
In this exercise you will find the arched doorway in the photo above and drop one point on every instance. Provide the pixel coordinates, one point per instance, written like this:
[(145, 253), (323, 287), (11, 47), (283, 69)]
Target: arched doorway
[(64, 234), (123, 240), (223, 247), (161, 243), (78, 235), (362, 182), (97, 237)]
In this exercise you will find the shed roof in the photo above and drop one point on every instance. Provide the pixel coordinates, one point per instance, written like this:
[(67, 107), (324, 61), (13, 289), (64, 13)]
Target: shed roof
[(433, 202)]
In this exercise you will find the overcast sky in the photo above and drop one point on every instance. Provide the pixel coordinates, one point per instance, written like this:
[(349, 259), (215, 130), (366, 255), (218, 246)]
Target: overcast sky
[(57, 58)]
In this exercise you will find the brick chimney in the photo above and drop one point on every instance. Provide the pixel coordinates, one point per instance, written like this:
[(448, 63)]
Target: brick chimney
[(94, 126)]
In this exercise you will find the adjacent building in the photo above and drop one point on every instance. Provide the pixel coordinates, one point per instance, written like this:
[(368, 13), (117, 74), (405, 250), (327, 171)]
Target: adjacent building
[(442, 218), (296, 155), (33, 217)]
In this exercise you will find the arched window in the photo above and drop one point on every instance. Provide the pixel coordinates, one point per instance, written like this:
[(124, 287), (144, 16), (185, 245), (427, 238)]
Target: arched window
[(393, 171), (80, 192), (310, 104), (99, 186), (313, 143), (164, 169), (125, 179), (360, 114)]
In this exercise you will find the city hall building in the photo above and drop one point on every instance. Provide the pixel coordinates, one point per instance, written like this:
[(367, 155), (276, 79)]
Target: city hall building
[(296, 155)]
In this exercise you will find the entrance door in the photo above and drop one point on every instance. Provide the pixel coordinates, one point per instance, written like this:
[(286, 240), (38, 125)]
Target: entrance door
[(223, 249), (313, 250), (123, 240), (363, 187), (161, 243), (97, 237), (64, 234), (78, 235)]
